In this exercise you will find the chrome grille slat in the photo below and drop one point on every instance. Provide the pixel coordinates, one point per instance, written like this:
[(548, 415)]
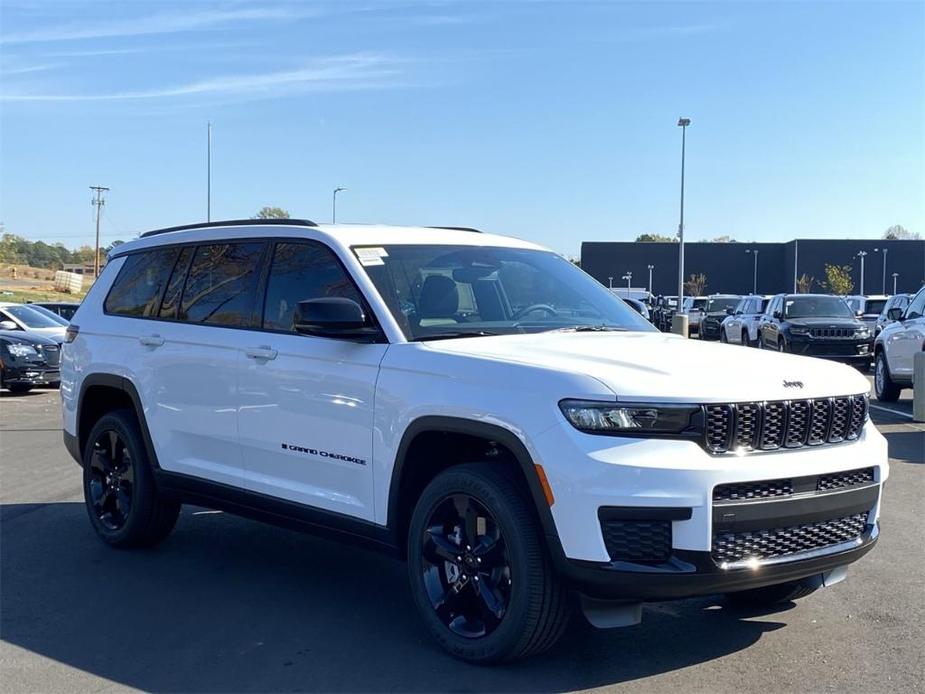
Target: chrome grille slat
[(790, 424)]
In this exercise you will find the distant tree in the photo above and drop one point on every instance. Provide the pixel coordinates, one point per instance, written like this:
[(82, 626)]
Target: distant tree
[(272, 213), (838, 279), (805, 284), (898, 232), (696, 285), (723, 239), (654, 238), (112, 245)]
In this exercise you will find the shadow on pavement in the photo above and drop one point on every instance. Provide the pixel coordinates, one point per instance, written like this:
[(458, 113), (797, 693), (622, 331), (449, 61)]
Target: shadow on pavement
[(906, 446), (229, 605)]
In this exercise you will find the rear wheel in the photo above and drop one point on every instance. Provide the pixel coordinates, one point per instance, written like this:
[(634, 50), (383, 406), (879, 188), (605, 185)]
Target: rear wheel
[(772, 595), (884, 388), (121, 498), (745, 341), (479, 572), (19, 387), (781, 346)]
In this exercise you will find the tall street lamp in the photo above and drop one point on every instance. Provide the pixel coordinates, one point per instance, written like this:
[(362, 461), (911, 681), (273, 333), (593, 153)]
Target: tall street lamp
[(610, 282), (651, 268), (861, 255), (884, 251), (334, 205), (628, 277), (895, 275), (682, 123), (755, 271)]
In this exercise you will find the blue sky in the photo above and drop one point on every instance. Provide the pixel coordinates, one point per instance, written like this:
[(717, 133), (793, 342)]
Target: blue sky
[(553, 121)]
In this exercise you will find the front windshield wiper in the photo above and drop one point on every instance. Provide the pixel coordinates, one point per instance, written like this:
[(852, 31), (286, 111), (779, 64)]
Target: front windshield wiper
[(449, 335), (589, 329)]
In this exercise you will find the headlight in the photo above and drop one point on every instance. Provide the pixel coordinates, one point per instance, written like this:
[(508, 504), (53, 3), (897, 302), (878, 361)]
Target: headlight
[(599, 417), (863, 332), (21, 350), (799, 330)]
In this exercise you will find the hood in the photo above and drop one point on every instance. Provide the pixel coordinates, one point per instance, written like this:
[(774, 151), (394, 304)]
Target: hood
[(651, 366), (823, 322), (28, 337)]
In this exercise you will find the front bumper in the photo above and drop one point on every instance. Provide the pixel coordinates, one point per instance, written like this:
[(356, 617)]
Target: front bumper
[(848, 351), (651, 479), (33, 375)]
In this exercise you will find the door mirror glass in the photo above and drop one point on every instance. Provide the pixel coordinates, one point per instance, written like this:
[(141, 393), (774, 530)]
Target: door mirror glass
[(8, 325), (895, 314), (331, 317), (779, 315)]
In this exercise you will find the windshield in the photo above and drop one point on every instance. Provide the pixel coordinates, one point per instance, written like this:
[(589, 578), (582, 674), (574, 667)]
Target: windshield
[(50, 314), (720, 304), (694, 304), (817, 306), (30, 317), (436, 291)]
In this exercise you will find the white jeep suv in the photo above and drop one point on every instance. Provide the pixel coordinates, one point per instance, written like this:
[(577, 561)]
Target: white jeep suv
[(473, 403), (895, 348)]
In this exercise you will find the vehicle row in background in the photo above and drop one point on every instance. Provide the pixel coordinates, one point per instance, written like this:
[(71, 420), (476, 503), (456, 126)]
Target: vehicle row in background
[(896, 346)]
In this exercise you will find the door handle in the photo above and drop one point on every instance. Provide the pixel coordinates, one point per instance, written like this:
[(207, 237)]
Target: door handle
[(151, 340), (260, 353)]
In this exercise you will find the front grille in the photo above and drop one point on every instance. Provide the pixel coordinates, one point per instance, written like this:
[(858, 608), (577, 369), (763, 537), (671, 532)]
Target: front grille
[(749, 491), (839, 333), (841, 480), (629, 540), (780, 542), (787, 423)]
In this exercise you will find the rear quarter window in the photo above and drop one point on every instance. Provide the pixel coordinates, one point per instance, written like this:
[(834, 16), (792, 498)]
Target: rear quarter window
[(139, 284)]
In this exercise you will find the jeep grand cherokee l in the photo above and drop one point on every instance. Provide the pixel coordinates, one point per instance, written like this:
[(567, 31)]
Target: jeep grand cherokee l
[(473, 403)]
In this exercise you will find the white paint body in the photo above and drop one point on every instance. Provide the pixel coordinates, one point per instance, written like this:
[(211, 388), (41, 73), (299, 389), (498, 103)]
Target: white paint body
[(216, 412), (902, 339)]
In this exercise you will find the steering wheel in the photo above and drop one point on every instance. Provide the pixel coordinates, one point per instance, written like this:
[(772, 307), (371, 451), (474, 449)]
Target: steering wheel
[(527, 310)]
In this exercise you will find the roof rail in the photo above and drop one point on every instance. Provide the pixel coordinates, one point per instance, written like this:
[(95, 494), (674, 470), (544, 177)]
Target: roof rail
[(232, 223), (475, 231)]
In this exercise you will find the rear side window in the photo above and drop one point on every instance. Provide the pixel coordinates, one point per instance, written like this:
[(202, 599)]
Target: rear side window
[(137, 290), (175, 286), (302, 271), (221, 286)]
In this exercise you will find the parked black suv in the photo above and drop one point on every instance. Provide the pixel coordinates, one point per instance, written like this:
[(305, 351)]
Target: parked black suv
[(28, 360), (816, 325), (714, 312)]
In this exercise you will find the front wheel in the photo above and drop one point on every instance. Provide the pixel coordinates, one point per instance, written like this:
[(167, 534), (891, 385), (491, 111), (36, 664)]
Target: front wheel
[(723, 337), (745, 341), (479, 572), (19, 387), (884, 387), (781, 347)]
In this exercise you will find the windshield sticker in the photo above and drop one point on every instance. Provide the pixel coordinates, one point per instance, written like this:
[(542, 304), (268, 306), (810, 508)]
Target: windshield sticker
[(370, 256)]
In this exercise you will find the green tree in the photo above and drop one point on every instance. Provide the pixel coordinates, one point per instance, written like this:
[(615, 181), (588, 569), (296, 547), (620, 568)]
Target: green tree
[(898, 232), (272, 213), (654, 238), (838, 279)]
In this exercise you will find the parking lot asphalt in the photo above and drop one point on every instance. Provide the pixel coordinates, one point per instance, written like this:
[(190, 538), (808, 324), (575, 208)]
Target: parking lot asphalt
[(227, 604)]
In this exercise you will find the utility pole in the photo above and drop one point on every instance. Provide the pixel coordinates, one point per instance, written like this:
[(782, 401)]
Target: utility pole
[(99, 202), (209, 172), (682, 123)]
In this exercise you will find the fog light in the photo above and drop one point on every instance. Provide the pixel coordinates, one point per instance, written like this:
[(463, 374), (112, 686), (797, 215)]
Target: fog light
[(863, 349)]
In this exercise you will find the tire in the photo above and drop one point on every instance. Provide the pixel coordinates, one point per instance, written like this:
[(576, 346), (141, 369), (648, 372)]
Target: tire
[(745, 341), (19, 387), (884, 387), (775, 595), (533, 605), (119, 491), (722, 336), (781, 346)]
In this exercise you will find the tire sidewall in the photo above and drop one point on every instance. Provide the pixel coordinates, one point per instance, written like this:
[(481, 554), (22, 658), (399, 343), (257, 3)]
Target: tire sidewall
[(506, 636), (141, 487)]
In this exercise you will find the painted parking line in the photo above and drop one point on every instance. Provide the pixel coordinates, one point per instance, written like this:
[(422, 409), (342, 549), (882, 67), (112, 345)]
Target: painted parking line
[(881, 408)]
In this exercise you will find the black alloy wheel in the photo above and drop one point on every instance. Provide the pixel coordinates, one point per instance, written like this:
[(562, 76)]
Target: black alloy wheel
[(466, 567), (112, 480)]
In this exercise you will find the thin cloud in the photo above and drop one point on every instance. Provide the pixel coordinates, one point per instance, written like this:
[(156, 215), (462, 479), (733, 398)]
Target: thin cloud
[(26, 69), (162, 23), (355, 71)]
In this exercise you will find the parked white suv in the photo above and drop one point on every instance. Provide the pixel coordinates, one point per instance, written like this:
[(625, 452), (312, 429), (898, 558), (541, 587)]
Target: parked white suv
[(895, 348), (473, 403)]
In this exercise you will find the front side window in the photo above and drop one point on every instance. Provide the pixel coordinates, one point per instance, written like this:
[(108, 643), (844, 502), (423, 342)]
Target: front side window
[(221, 286), (302, 271), (436, 291), (817, 306), (137, 289), (916, 306)]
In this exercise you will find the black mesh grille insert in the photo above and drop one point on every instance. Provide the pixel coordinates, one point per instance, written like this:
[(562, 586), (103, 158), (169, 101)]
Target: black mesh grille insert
[(628, 540), (746, 491), (841, 480), (785, 423), (780, 542)]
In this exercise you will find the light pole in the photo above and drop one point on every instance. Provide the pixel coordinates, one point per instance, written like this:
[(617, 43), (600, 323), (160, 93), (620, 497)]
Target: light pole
[(682, 123), (334, 204), (651, 268), (755, 271), (628, 277), (861, 255), (895, 275), (610, 282), (884, 251), (209, 172)]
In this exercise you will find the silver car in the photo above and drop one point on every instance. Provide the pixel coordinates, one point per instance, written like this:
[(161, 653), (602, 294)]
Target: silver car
[(899, 301), (742, 325)]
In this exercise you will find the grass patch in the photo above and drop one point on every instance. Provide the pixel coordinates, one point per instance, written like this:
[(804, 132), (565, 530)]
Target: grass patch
[(24, 296)]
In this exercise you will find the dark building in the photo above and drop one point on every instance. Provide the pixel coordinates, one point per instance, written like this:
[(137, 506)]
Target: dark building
[(730, 267)]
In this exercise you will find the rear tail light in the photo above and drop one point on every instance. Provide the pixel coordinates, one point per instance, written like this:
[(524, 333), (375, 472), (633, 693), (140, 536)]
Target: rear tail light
[(71, 333)]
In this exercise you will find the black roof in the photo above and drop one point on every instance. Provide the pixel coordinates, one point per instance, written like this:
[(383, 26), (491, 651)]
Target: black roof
[(233, 223)]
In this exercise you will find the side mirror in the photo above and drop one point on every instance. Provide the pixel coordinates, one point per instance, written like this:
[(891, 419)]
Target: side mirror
[(332, 317), (895, 314), (778, 315), (730, 311), (8, 325), (858, 313)]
